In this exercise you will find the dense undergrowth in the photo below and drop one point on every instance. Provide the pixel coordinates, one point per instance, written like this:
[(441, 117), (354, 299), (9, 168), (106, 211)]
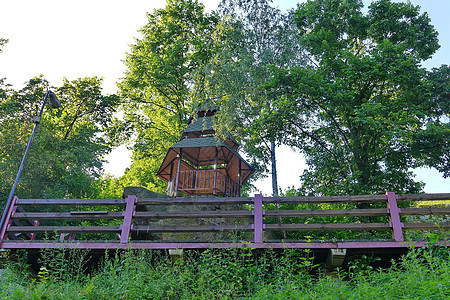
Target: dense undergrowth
[(225, 274)]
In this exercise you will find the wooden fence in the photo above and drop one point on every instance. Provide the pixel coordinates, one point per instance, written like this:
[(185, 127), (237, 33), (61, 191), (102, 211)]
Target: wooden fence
[(78, 223)]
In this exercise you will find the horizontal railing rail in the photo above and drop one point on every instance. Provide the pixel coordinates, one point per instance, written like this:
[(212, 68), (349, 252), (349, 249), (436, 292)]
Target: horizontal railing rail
[(71, 202), (29, 223), (194, 201)]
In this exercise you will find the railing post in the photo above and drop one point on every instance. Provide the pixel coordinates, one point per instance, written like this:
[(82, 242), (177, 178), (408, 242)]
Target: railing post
[(11, 209), (240, 178), (180, 157), (258, 213), (394, 216), (127, 219), (215, 171), (33, 235)]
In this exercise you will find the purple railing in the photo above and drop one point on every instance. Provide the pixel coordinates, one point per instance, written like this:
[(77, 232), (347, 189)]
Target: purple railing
[(26, 229)]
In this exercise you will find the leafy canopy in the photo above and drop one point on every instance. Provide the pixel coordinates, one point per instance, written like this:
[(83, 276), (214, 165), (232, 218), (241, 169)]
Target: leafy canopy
[(159, 85), (252, 37), (363, 111), (66, 155)]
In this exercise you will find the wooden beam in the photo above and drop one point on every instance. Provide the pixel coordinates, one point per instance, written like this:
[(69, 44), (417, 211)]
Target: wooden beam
[(327, 213), (114, 245), (424, 197), (194, 214), (425, 211), (15, 222), (89, 212), (394, 216), (258, 224), (66, 229), (187, 201), (191, 228), (329, 226), (426, 226), (211, 214), (74, 202), (327, 199), (7, 222), (79, 215), (170, 163), (127, 219), (21, 210)]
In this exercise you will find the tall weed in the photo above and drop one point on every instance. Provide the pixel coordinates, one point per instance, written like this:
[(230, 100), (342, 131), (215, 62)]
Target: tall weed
[(227, 274)]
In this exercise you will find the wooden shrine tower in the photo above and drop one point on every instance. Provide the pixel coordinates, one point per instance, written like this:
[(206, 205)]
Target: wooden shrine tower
[(201, 163)]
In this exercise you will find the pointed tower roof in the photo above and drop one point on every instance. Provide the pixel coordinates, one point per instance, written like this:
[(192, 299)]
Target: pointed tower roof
[(204, 155)]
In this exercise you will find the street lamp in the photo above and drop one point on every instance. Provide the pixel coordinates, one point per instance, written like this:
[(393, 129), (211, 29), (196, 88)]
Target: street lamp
[(54, 103)]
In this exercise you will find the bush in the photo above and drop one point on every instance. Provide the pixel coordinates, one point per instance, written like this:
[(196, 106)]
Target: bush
[(225, 274)]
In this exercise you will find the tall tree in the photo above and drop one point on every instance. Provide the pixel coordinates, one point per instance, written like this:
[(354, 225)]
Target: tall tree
[(364, 111), (66, 156), (254, 37), (157, 89)]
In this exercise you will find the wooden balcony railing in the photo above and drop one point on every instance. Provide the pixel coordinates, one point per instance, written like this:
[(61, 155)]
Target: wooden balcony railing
[(206, 182)]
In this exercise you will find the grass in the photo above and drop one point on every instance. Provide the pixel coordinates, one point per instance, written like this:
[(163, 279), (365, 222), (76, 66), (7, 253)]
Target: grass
[(225, 274)]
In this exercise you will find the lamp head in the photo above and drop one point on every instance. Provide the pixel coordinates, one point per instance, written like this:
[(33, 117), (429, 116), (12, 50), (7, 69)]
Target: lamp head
[(54, 102)]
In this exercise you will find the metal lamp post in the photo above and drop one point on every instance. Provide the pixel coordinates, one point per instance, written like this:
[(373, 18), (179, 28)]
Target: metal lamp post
[(54, 103)]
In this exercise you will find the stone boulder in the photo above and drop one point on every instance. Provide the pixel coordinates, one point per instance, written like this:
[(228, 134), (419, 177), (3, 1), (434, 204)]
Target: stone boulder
[(143, 193)]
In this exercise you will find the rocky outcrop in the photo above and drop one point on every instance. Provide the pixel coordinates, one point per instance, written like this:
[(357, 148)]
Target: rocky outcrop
[(143, 193)]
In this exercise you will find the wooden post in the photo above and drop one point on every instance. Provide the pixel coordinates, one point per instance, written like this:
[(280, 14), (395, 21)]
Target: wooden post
[(188, 173), (171, 183), (240, 178), (180, 157), (258, 213), (171, 172), (127, 219), (394, 216), (215, 171), (225, 186), (196, 177), (7, 223), (33, 235), (205, 173)]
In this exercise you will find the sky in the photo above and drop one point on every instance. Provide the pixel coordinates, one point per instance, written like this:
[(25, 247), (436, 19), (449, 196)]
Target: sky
[(85, 38)]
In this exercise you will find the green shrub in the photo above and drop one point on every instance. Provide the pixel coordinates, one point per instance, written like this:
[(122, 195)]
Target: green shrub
[(226, 274)]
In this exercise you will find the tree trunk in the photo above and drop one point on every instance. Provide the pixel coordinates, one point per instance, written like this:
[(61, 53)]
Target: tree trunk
[(274, 169), (275, 185)]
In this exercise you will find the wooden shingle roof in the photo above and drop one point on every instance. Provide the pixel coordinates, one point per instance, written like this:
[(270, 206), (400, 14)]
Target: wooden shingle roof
[(201, 124)]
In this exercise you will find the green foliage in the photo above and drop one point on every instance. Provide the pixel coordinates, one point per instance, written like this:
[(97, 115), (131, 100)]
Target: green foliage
[(212, 274), (252, 37), (363, 111), (62, 264), (108, 187), (66, 155), (157, 91), (2, 43), (230, 274)]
